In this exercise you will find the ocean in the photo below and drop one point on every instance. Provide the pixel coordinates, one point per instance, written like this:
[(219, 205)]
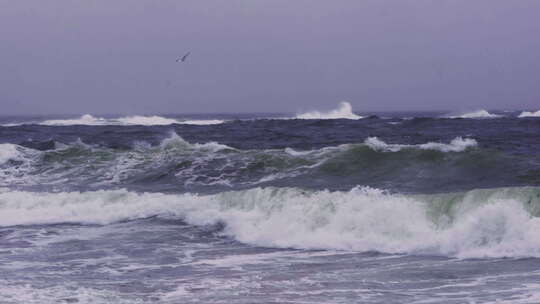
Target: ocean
[(335, 207)]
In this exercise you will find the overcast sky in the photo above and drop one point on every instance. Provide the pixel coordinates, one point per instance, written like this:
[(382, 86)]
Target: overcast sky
[(103, 56)]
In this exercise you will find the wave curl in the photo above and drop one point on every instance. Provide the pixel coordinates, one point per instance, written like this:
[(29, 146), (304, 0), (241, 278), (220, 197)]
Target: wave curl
[(500, 222)]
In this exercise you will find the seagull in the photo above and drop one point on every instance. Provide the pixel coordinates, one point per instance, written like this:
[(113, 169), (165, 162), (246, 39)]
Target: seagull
[(183, 58)]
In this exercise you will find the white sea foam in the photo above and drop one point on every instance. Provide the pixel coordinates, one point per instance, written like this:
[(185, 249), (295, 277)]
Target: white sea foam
[(16, 174), (344, 110), (25, 293), (530, 114), (476, 114), (480, 223), (121, 165), (146, 120), (175, 141), (458, 144), (154, 120), (85, 119), (7, 152), (202, 122)]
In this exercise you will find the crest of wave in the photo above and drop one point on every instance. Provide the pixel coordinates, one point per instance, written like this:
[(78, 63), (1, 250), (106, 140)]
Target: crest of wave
[(530, 114), (154, 120), (85, 119), (158, 120), (458, 144), (203, 122), (478, 223), (7, 152), (174, 141), (476, 114), (344, 111), (146, 120)]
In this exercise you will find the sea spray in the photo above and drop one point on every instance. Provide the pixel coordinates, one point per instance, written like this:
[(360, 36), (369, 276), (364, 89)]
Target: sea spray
[(136, 120), (363, 219), (476, 114), (529, 114), (344, 111)]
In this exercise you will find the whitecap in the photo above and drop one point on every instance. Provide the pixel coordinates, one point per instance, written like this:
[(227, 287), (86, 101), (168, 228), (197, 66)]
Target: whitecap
[(154, 120), (146, 120), (344, 111), (7, 152), (458, 144), (478, 223), (529, 114), (175, 141), (476, 114), (85, 119), (202, 122)]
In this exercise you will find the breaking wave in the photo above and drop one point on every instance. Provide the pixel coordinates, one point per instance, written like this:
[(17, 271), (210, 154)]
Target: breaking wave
[(458, 144), (344, 111), (476, 114), (530, 114), (146, 120), (202, 122), (177, 165), (154, 120), (501, 222), (8, 151)]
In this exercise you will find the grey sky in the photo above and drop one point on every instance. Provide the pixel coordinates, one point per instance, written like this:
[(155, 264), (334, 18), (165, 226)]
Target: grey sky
[(102, 56)]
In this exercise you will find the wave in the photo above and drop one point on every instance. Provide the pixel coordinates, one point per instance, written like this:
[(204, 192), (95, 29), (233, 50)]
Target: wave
[(476, 114), (158, 120), (501, 222), (89, 120), (177, 165), (529, 114), (202, 122), (344, 111), (458, 144), (7, 152), (85, 119), (146, 120)]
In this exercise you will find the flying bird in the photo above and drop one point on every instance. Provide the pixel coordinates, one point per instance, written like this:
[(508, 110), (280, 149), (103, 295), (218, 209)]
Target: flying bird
[(183, 58)]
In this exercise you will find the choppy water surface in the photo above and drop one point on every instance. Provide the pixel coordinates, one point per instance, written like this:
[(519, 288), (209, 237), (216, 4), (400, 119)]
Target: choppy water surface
[(330, 207)]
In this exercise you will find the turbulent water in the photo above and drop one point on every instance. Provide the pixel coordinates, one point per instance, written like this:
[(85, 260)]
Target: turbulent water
[(321, 207)]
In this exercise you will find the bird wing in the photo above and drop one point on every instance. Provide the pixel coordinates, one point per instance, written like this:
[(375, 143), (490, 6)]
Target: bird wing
[(185, 56)]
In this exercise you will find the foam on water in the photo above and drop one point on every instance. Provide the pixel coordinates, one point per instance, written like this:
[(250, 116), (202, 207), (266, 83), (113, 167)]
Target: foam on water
[(197, 164), (15, 173), (202, 122), (175, 141), (154, 120), (476, 114), (15, 294), (7, 152), (481, 223), (458, 144), (344, 111), (146, 120), (85, 119), (529, 114)]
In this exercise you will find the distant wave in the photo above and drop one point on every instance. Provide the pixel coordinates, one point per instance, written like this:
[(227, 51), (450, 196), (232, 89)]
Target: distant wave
[(344, 111), (500, 222), (90, 120), (202, 122), (476, 114), (530, 114), (458, 144), (146, 120), (85, 119)]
